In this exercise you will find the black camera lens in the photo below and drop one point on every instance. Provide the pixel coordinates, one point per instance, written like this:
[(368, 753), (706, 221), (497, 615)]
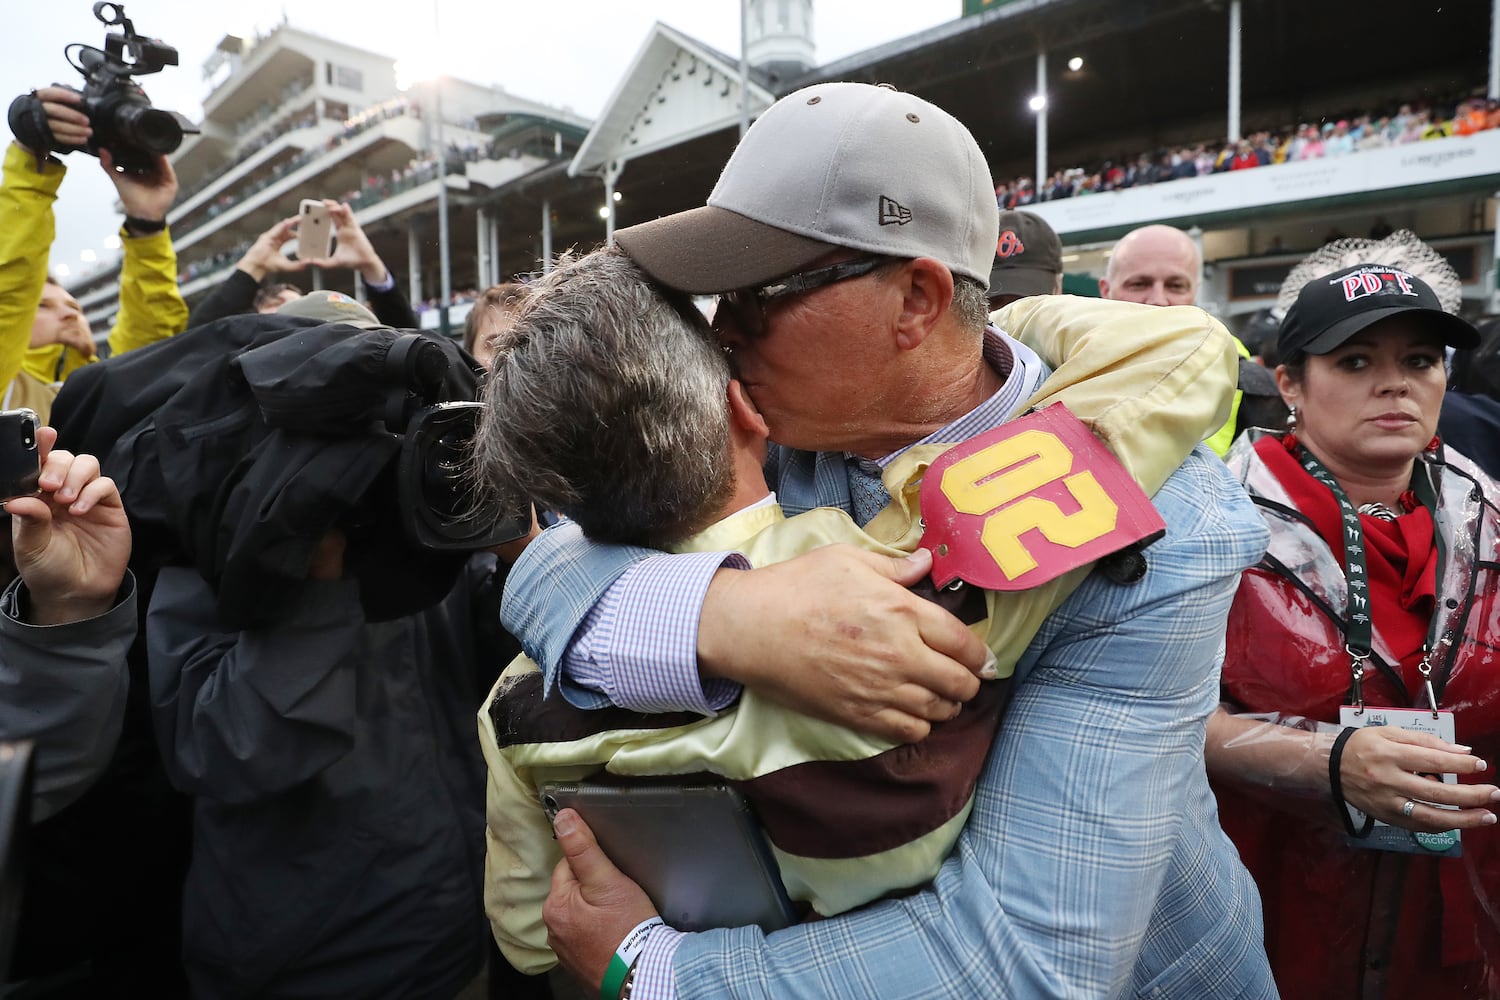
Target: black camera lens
[(147, 128)]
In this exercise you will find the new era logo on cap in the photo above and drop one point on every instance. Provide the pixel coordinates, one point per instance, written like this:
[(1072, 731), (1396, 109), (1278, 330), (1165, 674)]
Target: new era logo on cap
[(893, 213)]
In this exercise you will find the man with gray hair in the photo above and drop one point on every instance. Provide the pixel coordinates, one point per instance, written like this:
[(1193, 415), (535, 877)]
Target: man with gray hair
[(852, 296), (604, 406)]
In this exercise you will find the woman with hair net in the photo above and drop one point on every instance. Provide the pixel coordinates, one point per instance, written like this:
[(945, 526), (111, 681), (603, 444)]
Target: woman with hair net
[(1362, 710)]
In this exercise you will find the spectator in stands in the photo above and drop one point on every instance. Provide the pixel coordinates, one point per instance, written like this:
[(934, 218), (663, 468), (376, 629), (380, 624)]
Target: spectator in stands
[(1028, 259), (241, 293), (1437, 127), (67, 616), (1339, 142), (491, 316), (1244, 156), (855, 349), (38, 319), (1265, 148), (1313, 147), (1376, 135), (1470, 118), (1184, 164)]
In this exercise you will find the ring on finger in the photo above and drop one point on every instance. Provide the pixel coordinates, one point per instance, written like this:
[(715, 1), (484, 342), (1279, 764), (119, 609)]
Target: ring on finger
[(1406, 810)]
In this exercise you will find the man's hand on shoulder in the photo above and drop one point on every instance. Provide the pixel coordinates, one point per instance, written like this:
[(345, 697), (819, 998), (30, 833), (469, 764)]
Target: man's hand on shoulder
[(835, 634)]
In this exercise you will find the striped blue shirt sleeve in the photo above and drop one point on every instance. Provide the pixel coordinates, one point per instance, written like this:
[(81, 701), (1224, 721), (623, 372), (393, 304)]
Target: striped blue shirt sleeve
[(639, 645)]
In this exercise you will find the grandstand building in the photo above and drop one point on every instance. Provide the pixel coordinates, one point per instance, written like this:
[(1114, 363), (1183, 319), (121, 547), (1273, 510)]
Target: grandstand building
[(294, 115), (299, 116)]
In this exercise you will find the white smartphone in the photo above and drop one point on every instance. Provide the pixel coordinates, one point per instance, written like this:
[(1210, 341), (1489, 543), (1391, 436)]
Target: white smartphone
[(314, 230)]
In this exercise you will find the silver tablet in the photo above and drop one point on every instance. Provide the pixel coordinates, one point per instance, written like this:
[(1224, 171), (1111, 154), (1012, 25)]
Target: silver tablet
[(696, 849)]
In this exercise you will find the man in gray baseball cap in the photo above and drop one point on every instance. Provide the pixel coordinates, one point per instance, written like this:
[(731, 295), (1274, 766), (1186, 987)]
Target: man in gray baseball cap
[(850, 239)]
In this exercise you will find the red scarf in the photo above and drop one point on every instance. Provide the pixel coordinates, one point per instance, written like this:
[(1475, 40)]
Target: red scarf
[(1400, 556)]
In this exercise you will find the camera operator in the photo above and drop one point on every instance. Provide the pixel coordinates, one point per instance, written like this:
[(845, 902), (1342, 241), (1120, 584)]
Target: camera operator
[(243, 292), (67, 617), (38, 320)]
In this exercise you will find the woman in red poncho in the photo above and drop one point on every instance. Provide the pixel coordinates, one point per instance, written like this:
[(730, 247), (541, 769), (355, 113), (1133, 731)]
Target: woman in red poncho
[(1372, 617)]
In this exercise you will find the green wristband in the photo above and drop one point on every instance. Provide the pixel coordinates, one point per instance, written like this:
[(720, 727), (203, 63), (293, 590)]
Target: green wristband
[(614, 979)]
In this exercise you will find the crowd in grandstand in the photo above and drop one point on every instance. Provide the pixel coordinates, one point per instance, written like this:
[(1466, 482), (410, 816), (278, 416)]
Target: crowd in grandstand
[(268, 588), (1330, 138)]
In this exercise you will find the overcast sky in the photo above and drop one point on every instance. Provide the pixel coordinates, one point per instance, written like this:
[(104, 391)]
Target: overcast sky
[(565, 52)]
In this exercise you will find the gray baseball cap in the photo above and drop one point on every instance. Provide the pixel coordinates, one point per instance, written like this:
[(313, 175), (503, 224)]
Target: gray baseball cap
[(832, 165), (330, 307)]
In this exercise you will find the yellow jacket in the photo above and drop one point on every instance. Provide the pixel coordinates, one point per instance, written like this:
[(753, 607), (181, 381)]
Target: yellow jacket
[(151, 307)]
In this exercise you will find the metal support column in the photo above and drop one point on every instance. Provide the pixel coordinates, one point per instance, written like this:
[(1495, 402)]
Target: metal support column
[(481, 250), (359, 287), (1196, 234), (745, 66), (1233, 128), (611, 174), (445, 277), (494, 251), (1041, 125), (546, 236), (413, 267), (1494, 90), (1495, 270), (317, 279)]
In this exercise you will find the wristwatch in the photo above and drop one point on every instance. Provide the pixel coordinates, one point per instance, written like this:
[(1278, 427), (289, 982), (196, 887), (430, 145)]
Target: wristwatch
[(627, 984), (137, 226)]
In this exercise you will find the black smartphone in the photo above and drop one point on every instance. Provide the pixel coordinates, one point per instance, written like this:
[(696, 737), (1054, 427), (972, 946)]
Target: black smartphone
[(20, 464)]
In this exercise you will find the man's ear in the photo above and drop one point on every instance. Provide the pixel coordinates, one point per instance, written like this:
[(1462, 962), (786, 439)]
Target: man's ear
[(927, 292), (742, 412)]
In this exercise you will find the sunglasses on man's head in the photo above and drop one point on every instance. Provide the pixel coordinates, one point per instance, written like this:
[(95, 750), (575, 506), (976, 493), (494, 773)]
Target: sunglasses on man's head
[(747, 306)]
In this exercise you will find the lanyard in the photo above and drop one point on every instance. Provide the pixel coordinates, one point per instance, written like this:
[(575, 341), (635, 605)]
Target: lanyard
[(1358, 626)]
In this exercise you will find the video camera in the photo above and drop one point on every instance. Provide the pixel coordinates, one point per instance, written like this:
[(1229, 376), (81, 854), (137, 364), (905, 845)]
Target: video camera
[(119, 112)]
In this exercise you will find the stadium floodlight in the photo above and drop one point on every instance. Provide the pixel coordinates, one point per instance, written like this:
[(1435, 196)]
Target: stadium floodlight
[(1038, 102), (1075, 64), (603, 211)]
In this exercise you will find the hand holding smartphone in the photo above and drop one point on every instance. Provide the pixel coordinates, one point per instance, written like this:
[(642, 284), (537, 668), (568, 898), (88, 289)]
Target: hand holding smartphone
[(314, 230)]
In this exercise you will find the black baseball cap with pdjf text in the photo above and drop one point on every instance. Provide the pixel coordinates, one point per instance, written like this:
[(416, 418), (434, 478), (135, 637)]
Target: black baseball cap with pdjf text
[(1331, 309), (1028, 256)]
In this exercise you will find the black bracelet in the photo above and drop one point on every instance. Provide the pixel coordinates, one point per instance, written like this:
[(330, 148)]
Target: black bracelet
[(137, 226), (1336, 785)]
